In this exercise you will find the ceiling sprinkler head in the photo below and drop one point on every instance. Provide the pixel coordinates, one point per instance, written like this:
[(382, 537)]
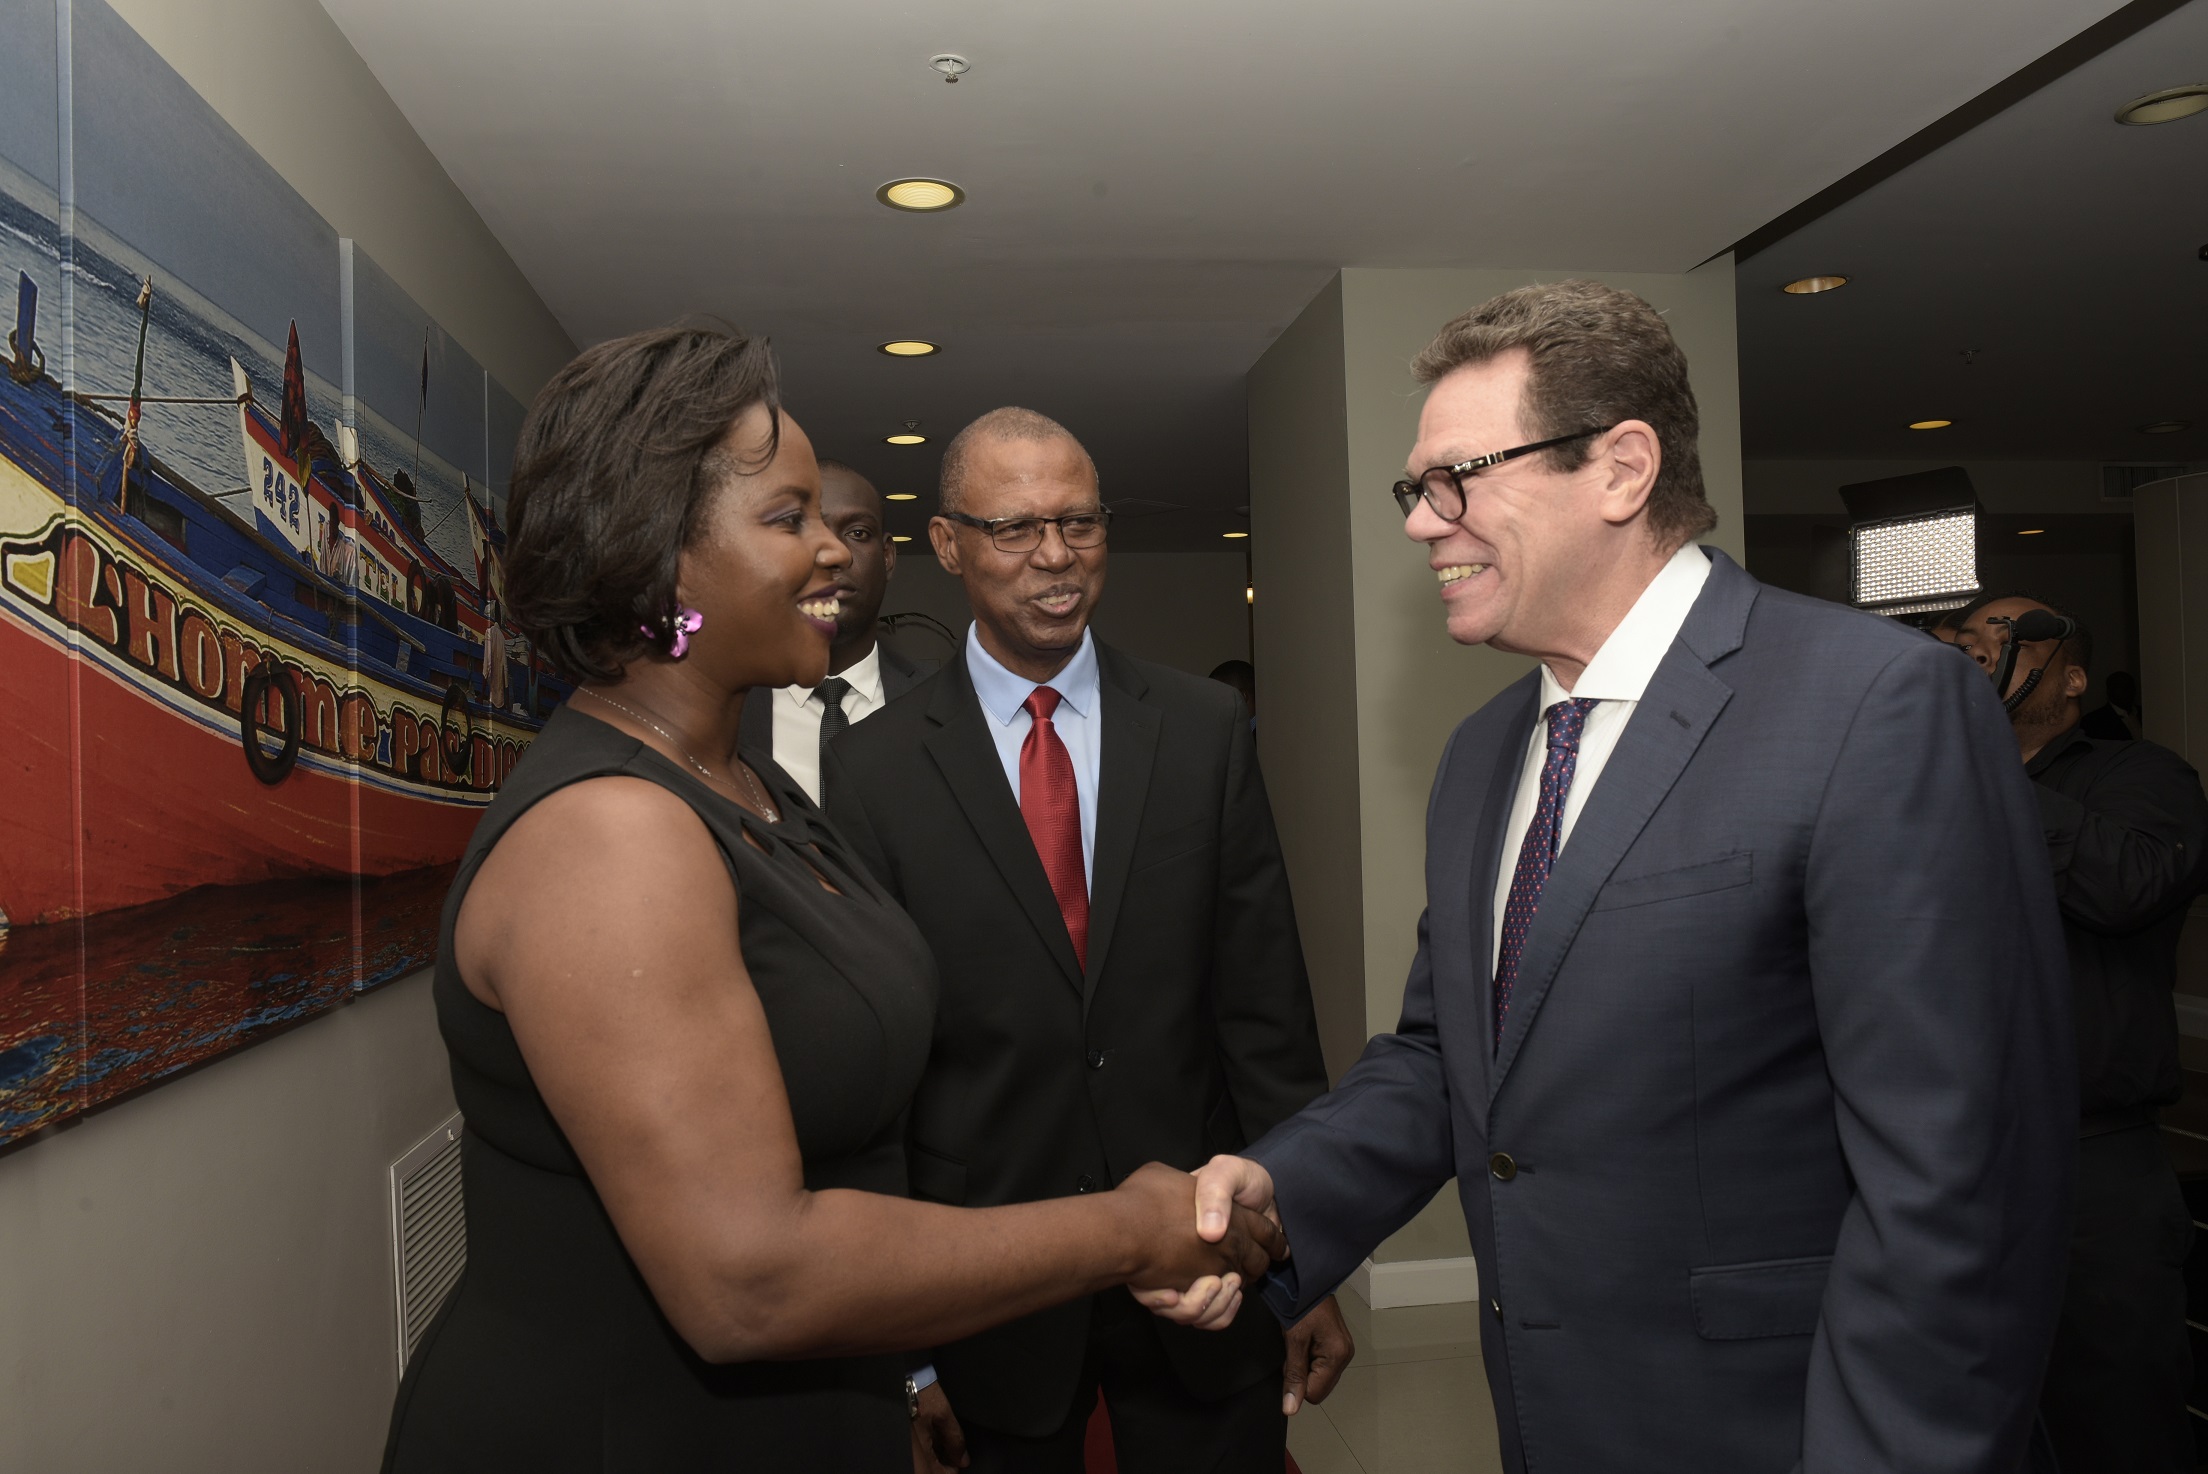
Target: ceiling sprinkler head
[(950, 64), (912, 424)]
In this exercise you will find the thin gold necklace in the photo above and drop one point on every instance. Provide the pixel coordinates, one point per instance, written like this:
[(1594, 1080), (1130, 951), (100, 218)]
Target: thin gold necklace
[(773, 815)]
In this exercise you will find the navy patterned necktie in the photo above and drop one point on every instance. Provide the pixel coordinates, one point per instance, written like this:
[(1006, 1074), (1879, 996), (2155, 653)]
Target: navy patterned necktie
[(1566, 721)]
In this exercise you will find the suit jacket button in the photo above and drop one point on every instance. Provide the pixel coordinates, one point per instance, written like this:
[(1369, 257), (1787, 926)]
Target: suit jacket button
[(1497, 1307), (1502, 1166), (1096, 1059), (1085, 1184)]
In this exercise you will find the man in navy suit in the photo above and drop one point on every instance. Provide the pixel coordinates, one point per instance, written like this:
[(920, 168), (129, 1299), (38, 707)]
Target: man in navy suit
[(1739, 1012)]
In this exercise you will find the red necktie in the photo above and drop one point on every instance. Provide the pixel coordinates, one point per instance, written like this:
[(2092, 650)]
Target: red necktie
[(1051, 805)]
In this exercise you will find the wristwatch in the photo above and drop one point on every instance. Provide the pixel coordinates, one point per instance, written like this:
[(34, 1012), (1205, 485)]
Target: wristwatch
[(912, 1399)]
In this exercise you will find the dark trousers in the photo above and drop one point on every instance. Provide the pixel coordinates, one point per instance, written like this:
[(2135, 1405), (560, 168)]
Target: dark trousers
[(1157, 1427), (2114, 1402)]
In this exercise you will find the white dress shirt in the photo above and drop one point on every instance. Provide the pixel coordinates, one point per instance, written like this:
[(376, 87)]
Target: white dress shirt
[(798, 711), (1079, 721), (1614, 680)]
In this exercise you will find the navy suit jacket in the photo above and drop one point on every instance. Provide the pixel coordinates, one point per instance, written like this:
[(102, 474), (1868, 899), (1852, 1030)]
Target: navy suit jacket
[(1772, 1166)]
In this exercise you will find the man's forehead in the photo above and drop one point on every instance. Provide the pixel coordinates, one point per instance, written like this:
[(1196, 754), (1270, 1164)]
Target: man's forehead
[(1468, 413), (841, 483), (2000, 609), (1010, 486)]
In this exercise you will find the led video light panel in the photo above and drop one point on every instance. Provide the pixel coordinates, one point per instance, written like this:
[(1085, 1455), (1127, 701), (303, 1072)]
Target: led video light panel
[(1915, 557)]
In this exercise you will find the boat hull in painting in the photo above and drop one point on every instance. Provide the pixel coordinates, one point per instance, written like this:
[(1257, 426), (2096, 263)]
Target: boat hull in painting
[(134, 785)]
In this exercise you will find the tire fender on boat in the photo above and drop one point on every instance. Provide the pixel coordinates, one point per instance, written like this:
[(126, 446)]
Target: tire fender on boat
[(270, 768)]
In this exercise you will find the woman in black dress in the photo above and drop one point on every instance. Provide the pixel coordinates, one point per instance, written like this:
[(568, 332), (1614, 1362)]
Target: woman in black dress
[(683, 1023)]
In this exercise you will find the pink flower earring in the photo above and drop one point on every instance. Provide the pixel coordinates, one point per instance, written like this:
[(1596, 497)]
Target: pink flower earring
[(677, 630)]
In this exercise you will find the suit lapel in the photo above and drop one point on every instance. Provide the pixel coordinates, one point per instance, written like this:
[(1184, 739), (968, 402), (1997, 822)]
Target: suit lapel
[(1130, 735), (898, 674), (1462, 863), (967, 757), (1674, 714)]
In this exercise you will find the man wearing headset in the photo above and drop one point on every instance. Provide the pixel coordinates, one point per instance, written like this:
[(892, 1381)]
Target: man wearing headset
[(2127, 829)]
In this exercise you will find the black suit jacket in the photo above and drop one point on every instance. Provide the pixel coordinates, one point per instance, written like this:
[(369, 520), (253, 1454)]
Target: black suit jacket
[(1189, 1033), (899, 675)]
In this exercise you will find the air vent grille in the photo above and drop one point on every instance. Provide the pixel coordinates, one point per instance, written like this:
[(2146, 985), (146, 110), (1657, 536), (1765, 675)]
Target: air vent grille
[(429, 1232)]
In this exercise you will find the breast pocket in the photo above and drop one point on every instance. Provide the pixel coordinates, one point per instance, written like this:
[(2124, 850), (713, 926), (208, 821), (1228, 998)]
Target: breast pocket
[(1773, 1297), (1177, 843), (1700, 878)]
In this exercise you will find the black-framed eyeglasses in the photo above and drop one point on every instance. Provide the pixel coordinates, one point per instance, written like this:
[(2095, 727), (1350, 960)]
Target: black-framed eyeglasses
[(1442, 487), (1025, 534)]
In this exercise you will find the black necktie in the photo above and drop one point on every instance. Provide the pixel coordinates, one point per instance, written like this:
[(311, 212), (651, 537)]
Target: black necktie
[(832, 722)]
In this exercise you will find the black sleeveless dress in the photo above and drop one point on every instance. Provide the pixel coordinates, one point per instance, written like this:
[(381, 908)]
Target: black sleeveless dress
[(551, 1355)]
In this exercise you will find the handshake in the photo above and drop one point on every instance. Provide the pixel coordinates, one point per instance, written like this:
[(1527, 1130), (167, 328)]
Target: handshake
[(1199, 1282)]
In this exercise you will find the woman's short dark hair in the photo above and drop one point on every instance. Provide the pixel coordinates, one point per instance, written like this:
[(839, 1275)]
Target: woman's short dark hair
[(615, 462)]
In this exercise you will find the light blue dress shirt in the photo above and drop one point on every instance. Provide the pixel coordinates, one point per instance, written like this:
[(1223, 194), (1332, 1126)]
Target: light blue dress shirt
[(1079, 721)]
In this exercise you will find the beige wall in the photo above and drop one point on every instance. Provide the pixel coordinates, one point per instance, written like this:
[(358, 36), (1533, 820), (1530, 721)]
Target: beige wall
[(1322, 515), (1307, 652), (199, 1278)]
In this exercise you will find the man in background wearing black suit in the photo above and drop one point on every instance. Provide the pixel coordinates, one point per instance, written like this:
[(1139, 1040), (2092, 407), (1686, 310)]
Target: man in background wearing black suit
[(2127, 830), (796, 723), (1086, 843)]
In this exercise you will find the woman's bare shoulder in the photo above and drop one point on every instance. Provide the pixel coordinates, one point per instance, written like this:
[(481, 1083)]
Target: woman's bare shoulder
[(613, 862)]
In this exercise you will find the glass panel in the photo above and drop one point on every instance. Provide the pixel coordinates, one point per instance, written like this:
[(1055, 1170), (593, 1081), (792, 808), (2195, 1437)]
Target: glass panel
[(217, 653), (441, 665), (41, 856)]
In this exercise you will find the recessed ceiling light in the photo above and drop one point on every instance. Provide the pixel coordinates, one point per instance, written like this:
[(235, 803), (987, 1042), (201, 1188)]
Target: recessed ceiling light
[(906, 439), (900, 538), (902, 496), (2165, 427), (2166, 106), (1810, 286), (2030, 531), (1930, 424), (922, 196), (1234, 534), (908, 348)]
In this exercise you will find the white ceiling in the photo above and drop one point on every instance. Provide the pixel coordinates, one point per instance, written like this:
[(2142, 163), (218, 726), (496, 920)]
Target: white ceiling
[(2062, 247), (1154, 189)]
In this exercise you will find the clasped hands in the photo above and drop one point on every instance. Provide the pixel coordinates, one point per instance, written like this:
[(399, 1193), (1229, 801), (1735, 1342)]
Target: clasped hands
[(1198, 1281), (1234, 1200), (1229, 1192)]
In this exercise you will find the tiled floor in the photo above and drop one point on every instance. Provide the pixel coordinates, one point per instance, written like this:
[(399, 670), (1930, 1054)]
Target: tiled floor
[(1414, 1400)]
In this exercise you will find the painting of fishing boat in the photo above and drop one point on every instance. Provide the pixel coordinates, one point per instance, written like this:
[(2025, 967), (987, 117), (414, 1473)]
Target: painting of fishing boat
[(256, 684)]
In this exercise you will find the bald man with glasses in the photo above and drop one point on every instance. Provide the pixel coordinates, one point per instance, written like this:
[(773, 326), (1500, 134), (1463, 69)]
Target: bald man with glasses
[(1084, 840)]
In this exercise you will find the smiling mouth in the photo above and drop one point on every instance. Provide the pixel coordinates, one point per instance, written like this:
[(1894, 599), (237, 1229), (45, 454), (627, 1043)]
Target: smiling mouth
[(824, 608), (1059, 602), (1458, 572)]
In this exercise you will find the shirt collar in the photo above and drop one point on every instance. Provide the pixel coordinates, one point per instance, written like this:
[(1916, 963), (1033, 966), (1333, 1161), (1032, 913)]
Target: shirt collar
[(1002, 693), (864, 674), (2070, 737), (1627, 661)]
